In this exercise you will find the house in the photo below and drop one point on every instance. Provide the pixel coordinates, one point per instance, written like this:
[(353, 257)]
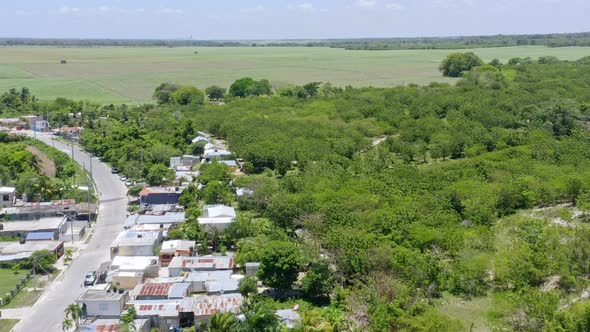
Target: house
[(214, 154), (57, 208), (189, 160), (30, 120), (167, 315), (135, 243), (102, 303), (229, 163), (199, 280), (170, 218), (10, 122), (41, 125), (112, 325), (12, 251), (127, 280), (69, 131), (175, 248), (161, 228), (289, 318), (204, 263), (148, 265), (186, 160), (252, 268), (7, 196), (174, 162), (53, 225), (207, 305), (159, 195), (161, 291), (219, 216), (202, 137)]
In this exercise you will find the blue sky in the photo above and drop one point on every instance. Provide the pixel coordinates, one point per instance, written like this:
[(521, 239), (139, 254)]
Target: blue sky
[(287, 19)]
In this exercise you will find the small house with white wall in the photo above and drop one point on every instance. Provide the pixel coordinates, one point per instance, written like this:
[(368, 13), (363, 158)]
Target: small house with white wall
[(7, 196), (102, 303), (218, 216), (135, 243)]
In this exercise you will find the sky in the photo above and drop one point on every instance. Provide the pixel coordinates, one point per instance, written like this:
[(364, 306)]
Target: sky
[(287, 19)]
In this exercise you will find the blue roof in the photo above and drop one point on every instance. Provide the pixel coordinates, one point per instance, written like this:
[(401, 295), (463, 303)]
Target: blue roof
[(40, 236)]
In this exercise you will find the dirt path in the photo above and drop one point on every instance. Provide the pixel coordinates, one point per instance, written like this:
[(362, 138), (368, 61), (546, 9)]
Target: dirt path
[(47, 165)]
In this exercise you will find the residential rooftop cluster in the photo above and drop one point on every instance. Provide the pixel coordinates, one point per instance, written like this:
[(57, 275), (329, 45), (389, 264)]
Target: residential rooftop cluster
[(167, 283)]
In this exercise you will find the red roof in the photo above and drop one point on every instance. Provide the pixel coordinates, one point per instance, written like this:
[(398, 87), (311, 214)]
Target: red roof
[(107, 328), (144, 191), (159, 289)]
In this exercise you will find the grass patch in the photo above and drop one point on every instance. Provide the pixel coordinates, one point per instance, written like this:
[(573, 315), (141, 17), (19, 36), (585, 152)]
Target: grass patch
[(8, 279), (471, 313), (7, 324)]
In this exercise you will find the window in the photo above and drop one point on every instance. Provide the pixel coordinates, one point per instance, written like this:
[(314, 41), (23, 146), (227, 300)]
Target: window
[(5, 198), (103, 306)]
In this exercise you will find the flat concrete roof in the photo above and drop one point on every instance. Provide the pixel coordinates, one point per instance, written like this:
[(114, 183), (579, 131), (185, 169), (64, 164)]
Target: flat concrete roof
[(100, 295), (7, 190), (9, 248), (48, 223), (133, 263), (130, 238)]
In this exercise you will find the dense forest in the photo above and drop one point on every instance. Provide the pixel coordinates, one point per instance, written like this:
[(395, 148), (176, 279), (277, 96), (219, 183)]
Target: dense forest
[(392, 201), (459, 42)]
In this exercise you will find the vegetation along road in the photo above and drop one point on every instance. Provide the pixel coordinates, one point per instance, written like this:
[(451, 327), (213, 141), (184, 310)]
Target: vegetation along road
[(48, 311)]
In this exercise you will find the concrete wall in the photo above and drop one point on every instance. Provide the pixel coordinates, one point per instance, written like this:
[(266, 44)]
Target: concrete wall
[(104, 307)]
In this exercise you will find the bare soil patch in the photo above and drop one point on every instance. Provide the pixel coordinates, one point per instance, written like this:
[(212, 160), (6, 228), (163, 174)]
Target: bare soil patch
[(46, 165)]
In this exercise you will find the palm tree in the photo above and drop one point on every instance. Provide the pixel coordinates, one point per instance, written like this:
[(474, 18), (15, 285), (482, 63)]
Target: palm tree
[(67, 324), (221, 322), (74, 313)]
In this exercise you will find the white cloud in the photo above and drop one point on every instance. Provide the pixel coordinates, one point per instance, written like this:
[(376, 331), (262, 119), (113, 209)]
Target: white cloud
[(452, 3), (257, 9), (366, 3), (68, 10), (176, 11), (394, 6), (305, 7)]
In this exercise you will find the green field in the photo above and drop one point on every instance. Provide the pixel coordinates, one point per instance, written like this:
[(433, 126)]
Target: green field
[(130, 74), (8, 280)]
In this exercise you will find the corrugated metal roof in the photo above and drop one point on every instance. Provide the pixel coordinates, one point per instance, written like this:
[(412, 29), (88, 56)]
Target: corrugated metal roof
[(178, 291), (159, 289)]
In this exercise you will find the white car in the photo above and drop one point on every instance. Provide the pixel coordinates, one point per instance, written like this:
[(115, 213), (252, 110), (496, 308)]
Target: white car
[(123, 178)]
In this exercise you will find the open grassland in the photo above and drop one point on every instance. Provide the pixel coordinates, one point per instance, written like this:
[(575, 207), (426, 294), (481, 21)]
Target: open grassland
[(130, 74), (8, 280)]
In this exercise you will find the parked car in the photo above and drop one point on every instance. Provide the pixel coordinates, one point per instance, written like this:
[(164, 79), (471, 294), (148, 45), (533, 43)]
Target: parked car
[(90, 278), (123, 178), (128, 183), (114, 170)]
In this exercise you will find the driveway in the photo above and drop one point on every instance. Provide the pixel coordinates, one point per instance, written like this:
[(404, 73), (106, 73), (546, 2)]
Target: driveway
[(48, 313)]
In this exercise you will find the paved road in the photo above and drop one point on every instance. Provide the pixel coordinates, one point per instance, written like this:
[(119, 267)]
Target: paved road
[(48, 313)]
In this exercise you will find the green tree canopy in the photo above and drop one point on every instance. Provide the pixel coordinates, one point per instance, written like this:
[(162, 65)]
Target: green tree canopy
[(280, 264), (215, 92), (158, 173), (455, 64), (188, 95)]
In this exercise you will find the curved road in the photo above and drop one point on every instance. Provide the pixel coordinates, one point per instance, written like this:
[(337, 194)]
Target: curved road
[(48, 313)]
